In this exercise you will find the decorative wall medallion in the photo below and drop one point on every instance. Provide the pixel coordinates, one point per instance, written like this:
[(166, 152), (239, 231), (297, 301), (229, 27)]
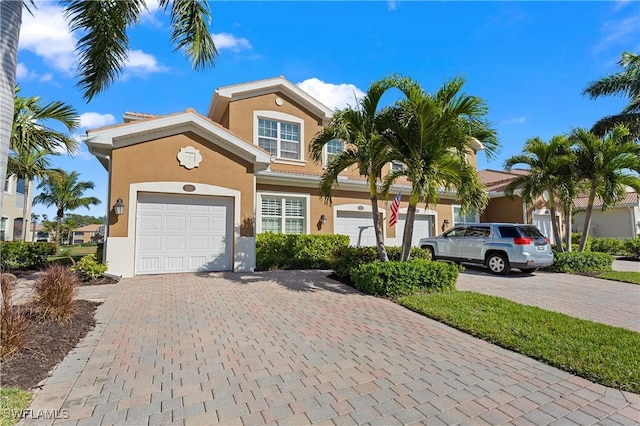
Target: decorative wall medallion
[(279, 101), (189, 157)]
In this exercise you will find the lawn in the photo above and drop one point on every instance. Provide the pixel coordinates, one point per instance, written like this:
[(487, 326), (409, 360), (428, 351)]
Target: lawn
[(625, 277), (14, 401), (600, 353), (74, 251)]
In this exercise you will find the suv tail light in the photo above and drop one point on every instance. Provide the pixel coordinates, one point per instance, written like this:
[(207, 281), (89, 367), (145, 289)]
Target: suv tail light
[(523, 240), (547, 240)]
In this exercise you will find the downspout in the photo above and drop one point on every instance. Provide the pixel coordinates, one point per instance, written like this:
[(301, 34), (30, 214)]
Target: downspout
[(634, 232)]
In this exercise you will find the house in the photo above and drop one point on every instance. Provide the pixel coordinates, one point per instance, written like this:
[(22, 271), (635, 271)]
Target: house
[(191, 191), (12, 223), (86, 234), (623, 221)]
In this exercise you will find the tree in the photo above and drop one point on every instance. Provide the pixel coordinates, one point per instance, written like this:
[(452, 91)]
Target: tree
[(546, 162), (28, 163), (363, 147), (103, 46), (65, 192), (608, 165), (433, 135), (624, 83)]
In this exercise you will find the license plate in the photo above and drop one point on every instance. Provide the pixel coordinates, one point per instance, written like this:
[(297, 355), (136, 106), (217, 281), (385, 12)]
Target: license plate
[(541, 248)]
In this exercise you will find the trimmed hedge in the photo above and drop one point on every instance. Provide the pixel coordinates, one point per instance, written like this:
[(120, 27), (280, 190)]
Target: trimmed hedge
[(576, 237), (607, 245), (632, 247), (289, 251), (581, 262), (393, 279), (350, 257), (20, 255)]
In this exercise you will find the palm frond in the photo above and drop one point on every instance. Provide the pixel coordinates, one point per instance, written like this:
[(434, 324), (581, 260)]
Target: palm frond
[(190, 21)]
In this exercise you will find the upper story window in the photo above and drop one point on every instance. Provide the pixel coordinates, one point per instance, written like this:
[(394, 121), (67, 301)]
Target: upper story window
[(7, 182), (397, 166), (20, 186), (280, 134), (332, 148)]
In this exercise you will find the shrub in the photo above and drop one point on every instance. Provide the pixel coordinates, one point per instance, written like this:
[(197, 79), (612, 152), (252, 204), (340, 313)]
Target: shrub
[(351, 257), (54, 292), (293, 251), (396, 278), (581, 262), (576, 237), (13, 322), (20, 255), (100, 252), (632, 247), (89, 267), (607, 245)]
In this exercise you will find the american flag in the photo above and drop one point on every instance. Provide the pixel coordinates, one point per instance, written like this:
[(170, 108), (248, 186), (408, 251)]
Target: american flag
[(395, 206)]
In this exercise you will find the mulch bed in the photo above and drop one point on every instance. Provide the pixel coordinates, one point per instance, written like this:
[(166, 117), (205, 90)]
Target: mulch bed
[(47, 344)]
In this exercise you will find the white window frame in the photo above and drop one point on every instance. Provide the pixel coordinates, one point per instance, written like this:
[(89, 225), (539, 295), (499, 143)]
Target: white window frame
[(281, 117), (453, 215), (397, 165), (284, 195), (325, 157)]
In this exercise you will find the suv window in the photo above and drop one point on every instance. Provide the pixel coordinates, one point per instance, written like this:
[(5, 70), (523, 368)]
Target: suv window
[(477, 231), (508, 231), (530, 231), (455, 232)]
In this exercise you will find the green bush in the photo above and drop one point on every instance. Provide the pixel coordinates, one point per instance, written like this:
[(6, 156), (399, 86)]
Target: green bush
[(289, 251), (89, 267), (632, 247), (576, 237), (392, 279), (20, 255), (100, 252), (570, 262), (607, 245), (351, 257)]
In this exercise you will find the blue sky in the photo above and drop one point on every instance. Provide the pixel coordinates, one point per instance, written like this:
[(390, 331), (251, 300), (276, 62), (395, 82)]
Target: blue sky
[(529, 60)]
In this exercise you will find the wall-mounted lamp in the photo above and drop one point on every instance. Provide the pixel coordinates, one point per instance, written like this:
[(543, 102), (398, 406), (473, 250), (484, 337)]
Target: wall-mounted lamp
[(445, 224), (118, 207), (322, 221)]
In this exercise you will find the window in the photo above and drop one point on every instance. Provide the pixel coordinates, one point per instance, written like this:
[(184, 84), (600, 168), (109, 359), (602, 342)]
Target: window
[(283, 214), (333, 148), (280, 138), (455, 232), (477, 231), (3, 228), (458, 217), (6, 185), (397, 166), (20, 186)]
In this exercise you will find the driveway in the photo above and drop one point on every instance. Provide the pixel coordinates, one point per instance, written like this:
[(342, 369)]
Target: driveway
[(295, 347)]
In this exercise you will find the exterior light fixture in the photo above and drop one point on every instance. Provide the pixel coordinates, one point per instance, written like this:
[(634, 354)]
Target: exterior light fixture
[(323, 219), (445, 224), (118, 207)]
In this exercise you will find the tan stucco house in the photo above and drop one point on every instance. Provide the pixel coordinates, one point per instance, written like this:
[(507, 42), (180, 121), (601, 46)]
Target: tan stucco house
[(196, 189), (622, 221), (11, 224)]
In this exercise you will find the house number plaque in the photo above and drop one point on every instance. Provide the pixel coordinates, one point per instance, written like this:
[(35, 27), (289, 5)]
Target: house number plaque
[(189, 188)]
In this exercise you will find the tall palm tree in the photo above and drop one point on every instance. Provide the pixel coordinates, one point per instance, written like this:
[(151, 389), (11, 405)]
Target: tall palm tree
[(433, 135), (624, 83), (546, 163), (28, 163), (607, 164), (364, 148), (65, 192), (103, 46)]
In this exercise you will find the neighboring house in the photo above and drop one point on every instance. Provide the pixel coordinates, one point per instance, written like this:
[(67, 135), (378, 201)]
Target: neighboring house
[(623, 221), (12, 204), (86, 234), (505, 209), (195, 190), (38, 234)]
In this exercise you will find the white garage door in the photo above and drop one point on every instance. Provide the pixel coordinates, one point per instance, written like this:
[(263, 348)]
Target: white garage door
[(183, 233), (421, 228), (358, 226)]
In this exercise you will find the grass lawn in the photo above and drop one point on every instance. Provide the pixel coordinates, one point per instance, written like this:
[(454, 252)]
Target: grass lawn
[(625, 277), (600, 353), (75, 251), (14, 400)]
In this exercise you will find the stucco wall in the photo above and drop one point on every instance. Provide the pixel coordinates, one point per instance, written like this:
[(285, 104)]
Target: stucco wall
[(616, 223), (503, 209)]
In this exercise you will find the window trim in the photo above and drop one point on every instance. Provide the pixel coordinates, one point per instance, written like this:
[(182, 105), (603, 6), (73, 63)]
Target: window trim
[(283, 195), (325, 153), (453, 215), (281, 116)]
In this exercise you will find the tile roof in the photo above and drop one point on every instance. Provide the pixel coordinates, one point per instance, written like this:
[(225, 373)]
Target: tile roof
[(88, 228), (632, 198), (497, 180)]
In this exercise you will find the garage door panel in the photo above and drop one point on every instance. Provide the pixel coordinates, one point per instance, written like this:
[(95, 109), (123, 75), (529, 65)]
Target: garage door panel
[(183, 233), (421, 227), (357, 225)]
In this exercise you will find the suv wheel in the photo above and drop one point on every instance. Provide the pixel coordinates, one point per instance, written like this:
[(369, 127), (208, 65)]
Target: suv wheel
[(498, 264), (431, 252)]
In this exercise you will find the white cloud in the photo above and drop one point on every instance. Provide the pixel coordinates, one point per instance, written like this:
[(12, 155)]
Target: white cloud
[(92, 120), (515, 120), (392, 5), (140, 63), (618, 31), (229, 41), (47, 34), (23, 73), (332, 95)]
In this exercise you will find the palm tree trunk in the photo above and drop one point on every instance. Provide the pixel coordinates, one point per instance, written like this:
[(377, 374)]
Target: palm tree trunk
[(10, 22), (25, 205), (587, 217), (567, 225), (554, 223), (407, 236), (58, 226), (373, 191)]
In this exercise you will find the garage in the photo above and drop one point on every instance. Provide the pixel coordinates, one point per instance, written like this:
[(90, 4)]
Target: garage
[(183, 233), (421, 228), (358, 225)]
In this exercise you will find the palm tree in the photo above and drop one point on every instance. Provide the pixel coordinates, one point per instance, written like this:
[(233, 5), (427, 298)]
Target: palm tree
[(65, 192), (103, 46), (28, 163), (624, 83), (432, 135), (546, 162), (364, 148), (607, 164)]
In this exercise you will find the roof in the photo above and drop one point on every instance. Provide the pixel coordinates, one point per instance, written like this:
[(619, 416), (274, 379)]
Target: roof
[(223, 95), (497, 180), (631, 199), (88, 228)]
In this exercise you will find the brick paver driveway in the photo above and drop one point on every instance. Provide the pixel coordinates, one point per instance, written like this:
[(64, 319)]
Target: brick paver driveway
[(297, 348)]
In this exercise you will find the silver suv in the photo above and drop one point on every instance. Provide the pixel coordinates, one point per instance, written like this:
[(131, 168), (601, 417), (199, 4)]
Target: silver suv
[(498, 246)]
